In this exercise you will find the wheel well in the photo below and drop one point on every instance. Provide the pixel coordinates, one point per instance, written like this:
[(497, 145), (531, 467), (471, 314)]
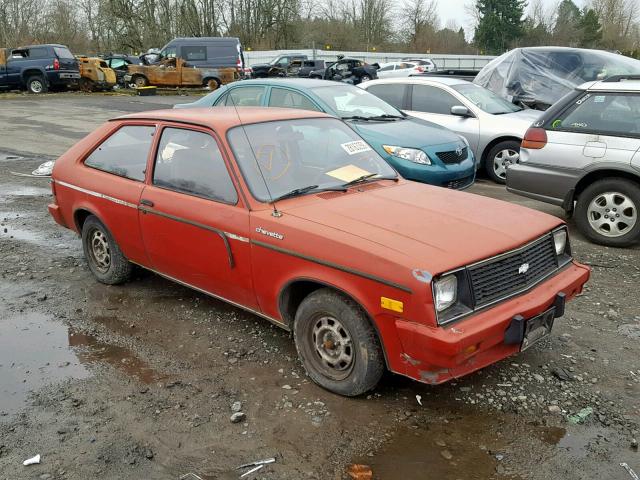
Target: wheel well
[(33, 73), (591, 177), (296, 291), (79, 217), (496, 141), (206, 80)]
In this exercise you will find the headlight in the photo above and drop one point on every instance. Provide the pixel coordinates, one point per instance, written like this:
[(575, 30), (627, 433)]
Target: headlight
[(446, 292), (560, 241), (412, 154)]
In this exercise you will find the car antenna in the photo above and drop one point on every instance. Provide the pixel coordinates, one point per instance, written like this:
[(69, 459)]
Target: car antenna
[(276, 213)]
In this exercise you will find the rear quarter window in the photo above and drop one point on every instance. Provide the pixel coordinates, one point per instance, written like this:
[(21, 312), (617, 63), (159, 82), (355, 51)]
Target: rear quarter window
[(124, 153)]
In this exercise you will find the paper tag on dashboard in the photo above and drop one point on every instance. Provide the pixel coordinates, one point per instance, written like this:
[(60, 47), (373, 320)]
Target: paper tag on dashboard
[(347, 173), (355, 147)]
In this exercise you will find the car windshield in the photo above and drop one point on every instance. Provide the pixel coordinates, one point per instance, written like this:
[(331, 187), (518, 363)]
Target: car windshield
[(485, 99), (308, 154), (349, 101)]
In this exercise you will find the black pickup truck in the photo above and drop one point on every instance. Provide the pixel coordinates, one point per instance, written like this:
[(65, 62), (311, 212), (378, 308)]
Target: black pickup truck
[(37, 68)]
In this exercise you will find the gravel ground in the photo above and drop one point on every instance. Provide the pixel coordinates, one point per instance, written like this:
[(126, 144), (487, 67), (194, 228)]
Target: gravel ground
[(141, 380)]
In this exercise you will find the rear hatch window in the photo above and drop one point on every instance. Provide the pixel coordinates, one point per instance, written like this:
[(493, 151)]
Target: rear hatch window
[(66, 58)]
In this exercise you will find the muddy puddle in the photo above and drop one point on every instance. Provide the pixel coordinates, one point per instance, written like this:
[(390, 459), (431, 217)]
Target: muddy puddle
[(37, 350), (9, 157), (7, 191)]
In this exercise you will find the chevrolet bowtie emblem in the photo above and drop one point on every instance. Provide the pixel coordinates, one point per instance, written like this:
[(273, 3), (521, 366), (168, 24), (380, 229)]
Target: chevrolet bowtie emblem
[(524, 268)]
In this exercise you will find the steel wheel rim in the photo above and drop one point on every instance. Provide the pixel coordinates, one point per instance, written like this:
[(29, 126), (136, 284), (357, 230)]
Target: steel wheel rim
[(503, 159), (100, 251), (332, 347), (36, 86), (612, 214)]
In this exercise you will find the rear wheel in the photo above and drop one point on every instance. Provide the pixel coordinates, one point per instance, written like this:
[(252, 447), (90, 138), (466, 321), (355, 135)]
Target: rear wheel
[(337, 343), (607, 212), (36, 84), (86, 85), (106, 260), (499, 158)]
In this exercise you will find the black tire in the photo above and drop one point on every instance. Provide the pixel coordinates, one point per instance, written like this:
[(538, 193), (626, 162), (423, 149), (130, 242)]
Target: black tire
[(113, 267), (490, 160), (140, 81), (350, 325), (619, 188), (37, 84)]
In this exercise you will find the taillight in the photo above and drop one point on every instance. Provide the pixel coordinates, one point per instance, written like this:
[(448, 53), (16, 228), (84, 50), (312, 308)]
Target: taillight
[(56, 64), (535, 138), (419, 69), (239, 64)]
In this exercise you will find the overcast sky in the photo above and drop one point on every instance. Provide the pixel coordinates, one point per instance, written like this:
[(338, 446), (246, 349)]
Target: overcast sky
[(455, 10)]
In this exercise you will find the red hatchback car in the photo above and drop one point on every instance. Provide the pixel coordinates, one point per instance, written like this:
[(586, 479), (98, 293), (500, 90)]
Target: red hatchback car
[(290, 215)]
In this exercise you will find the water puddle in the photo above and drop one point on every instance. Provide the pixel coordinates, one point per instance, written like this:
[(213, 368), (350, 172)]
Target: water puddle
[(36, 350), (7, 157), (7, 190)]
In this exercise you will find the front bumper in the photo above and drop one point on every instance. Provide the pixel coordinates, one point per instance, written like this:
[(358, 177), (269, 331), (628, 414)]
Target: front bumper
[(540, 182), (438, 354), (457, 176)]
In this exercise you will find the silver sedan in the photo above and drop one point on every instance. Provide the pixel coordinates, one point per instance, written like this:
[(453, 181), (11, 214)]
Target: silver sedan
[(493, 126)]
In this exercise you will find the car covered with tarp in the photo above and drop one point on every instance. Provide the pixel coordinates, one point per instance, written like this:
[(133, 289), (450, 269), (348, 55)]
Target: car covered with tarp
[(539, 76)]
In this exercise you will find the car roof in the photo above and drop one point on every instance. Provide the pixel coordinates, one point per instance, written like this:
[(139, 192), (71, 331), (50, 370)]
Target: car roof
[(421, 79), (57, 45), (287, 82), (622, 85), (223, 118)]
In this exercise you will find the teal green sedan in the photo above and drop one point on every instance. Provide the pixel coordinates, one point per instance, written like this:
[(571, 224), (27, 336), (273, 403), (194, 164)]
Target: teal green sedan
[(419, 150)]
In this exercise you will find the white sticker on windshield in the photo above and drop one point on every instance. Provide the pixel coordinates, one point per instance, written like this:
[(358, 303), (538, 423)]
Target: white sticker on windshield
[(355, 147), (598, 99)]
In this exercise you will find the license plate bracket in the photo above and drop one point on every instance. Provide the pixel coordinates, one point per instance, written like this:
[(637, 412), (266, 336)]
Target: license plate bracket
[(537, 328)]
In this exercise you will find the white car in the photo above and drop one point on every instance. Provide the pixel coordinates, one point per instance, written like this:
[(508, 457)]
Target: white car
[(400, 69), (493, 126)]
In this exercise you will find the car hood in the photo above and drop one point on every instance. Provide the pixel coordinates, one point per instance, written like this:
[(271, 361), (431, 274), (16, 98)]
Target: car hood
[(527, 115), (261, 65), (411, 132), (425, 227)]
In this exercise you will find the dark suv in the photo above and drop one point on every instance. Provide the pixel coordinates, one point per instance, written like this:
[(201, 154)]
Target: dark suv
[(38, 68)]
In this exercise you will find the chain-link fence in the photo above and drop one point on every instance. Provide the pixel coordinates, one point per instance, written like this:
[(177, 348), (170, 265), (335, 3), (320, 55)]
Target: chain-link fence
[(460, 62)]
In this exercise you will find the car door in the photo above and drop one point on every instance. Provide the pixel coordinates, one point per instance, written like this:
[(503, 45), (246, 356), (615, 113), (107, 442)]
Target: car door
[(434, 104), (193, 222), (113, 180), (597, 127)]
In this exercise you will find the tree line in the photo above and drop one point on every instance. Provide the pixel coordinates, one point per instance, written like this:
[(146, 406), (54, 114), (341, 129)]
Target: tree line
[(132, 26)]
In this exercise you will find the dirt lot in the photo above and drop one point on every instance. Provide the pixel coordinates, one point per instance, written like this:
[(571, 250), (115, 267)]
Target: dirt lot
[(140, 381)]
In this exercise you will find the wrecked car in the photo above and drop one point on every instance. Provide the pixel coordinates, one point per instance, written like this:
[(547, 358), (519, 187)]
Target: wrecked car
[(119, 63), (176, 72), (95, 74), (349, 70), (281, 66), (290, 215), (38, 68), (537, 77)]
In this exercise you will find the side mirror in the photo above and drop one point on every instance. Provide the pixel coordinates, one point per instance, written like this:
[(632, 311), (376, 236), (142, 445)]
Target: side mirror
[(460, 111)]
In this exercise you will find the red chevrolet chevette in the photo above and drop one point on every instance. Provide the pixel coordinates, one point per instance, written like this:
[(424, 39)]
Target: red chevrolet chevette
[(291, 215)]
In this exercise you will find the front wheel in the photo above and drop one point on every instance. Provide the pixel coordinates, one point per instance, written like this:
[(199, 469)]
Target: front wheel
[(499, 158), (607, 212), (337, 343), (212, 84), (106, 261)]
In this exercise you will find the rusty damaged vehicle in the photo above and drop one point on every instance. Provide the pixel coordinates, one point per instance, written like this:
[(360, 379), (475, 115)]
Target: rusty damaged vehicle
[(290, 215), (176, 72), (95, 74)]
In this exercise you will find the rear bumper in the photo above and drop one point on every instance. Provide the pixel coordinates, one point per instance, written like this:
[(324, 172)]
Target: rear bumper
[(63, 78), (54, 211), (438, 354), (542, 183)]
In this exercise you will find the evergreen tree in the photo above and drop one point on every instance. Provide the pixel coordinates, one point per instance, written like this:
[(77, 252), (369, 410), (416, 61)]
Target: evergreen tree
[(566, 30), (590, 29), (500, 24)]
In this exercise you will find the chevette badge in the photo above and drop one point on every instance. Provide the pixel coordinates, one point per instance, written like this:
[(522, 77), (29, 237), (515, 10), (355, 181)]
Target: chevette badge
[(524, 268), (277, 235)]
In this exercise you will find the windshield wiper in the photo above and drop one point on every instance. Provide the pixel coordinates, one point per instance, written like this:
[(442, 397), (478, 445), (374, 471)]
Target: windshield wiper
[(356, 117), (301, 191), (388, 116), (366, 177)]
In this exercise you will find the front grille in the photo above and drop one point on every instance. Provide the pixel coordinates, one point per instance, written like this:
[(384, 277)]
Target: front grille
[(459, 183), (512, 272), (452, 156)]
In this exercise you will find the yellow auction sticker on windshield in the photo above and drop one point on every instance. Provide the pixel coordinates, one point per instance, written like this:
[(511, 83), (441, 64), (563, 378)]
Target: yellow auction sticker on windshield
[(347, 173), (355, 147)]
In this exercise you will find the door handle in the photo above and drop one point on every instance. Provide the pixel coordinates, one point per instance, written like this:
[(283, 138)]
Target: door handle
[(147, 203)]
